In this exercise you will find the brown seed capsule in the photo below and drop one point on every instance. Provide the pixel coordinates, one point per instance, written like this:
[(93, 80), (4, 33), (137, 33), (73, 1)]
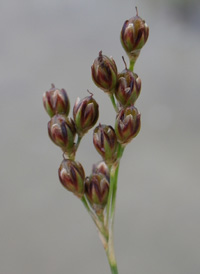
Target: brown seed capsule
[(104, 73), (101, 168), (72, 176), (96, 190), (56, 101), (127, 124), (86, 114), (105, 142), (62, 132), (128, 87), (134, 35)]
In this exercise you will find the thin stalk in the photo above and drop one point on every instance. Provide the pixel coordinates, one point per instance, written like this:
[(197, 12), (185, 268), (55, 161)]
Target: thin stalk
[(132, 63), (114, 169), (78, 141), (113, 183), (133, 58), (97, 221), (72, 155), (109, 202), (113, 268), (113, 190), (114, 175), (112, 98)]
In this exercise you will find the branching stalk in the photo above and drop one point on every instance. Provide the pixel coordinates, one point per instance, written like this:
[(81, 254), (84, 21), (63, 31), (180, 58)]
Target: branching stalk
[(99, 224)]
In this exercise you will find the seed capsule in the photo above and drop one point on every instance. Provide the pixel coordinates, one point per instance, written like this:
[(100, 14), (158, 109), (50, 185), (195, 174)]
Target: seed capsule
[(127, 124), (104, 72), (72, 176), (128, 88), (96, 190), (134, 35), (86, 114), (101, 168), (105, 142), (56, 101), (62, 132)]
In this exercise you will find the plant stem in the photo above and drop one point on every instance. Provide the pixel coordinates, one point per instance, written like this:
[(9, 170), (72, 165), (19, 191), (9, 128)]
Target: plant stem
[(72, 155), (114, 169), (132, 63), (112, 98), (97, 221), (114, 176), (113, 190), (133, 57), (78, 141), (114, 269), (113, 183)]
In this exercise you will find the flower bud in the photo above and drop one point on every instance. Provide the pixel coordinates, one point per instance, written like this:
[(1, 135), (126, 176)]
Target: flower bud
[(128, 88), (62, 132), (134, 35), (86, 114), (127, 124), (101, 168), (105, 142), (72, 176), (56, 101), (96, 190), (104, 72)]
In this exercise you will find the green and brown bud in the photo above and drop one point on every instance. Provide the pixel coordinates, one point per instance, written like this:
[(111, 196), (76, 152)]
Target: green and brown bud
[(127, 124), (62, 132), (86, 114), (104, 73), (128, 88), (96, 190), (105, 142), (134, 35), (101, 168), (72, 177), (56, 101)]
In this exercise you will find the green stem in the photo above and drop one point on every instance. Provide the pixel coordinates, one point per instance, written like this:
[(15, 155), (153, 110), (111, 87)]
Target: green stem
[(109, 200), (133, 57), (120, 151), (72, 155), (97, 221), (112, 98), (114, 176), (78, 141), (106, 231), (114, 269), (113, 183), (114, 169), (132, 63)]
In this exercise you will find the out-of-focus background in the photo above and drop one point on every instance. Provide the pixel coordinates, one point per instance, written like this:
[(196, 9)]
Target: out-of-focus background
[(45, 229)]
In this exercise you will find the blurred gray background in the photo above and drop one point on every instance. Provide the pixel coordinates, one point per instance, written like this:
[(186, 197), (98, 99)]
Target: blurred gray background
[(43, 228)]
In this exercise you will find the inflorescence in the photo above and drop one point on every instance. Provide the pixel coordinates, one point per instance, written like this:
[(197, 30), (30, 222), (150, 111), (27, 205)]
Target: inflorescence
[(98, 191)]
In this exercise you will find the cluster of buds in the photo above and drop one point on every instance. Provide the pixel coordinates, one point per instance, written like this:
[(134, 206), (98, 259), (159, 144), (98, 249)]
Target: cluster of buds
[(63, 131), (124, 88), (98, 190)]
